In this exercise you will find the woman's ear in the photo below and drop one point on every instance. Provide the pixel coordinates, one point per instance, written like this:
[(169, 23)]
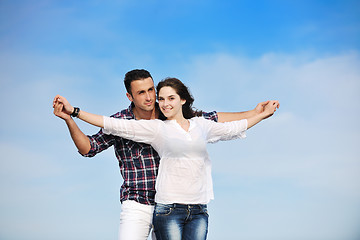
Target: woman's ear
[(182, 101)]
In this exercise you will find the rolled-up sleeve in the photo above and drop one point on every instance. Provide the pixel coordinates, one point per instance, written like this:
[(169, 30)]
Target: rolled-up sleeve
[(98, 143), (213, 116), (144, 131)]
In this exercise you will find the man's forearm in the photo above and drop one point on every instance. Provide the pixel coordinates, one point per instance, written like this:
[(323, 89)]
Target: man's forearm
[(235, 116), (80, 140)]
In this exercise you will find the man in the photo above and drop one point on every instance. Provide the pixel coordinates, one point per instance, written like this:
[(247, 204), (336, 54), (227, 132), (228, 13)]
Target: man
[(138, 162)]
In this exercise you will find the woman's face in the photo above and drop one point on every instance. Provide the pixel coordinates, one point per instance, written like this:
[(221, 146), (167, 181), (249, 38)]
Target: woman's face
[(170, 103)]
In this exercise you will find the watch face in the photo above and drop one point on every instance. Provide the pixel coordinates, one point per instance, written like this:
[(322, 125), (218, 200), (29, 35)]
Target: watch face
[(76, 111)]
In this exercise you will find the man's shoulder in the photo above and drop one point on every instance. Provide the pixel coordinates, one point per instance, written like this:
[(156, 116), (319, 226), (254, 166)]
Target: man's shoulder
[(124, 114), (210, 115)]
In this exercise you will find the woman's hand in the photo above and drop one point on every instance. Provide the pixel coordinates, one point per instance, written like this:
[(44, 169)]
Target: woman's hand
[(270, 108)]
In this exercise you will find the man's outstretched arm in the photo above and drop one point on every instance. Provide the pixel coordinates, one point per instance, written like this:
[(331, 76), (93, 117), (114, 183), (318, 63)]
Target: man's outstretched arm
[(63, 109)]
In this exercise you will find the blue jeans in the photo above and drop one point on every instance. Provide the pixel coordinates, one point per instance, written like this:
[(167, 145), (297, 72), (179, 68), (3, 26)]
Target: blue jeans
[(180, 221)]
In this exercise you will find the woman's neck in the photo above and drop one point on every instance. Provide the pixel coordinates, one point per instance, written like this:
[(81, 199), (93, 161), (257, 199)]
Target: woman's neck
[(183, 122)]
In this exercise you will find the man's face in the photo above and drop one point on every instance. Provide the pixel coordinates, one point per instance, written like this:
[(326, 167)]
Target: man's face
[(143, 94)]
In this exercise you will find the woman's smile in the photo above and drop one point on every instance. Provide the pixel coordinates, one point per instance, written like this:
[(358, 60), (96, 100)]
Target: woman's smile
[(170, 103)]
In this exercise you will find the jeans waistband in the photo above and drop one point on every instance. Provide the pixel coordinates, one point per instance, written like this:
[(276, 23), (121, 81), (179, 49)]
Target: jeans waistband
[(179, 205)]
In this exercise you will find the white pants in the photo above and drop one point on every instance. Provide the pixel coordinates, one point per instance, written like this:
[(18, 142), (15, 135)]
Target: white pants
[(135, 221)]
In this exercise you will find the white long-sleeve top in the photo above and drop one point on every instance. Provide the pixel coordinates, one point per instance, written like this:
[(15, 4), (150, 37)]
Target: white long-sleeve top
[(185, 169)]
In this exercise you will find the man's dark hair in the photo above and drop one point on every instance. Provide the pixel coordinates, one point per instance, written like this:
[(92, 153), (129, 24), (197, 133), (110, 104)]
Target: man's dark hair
[(133, 75)]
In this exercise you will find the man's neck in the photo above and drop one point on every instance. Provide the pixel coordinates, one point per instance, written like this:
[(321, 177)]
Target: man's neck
[(146, 115)]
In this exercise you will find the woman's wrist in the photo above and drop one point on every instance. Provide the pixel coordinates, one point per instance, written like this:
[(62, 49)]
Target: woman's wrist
[(75, 112)]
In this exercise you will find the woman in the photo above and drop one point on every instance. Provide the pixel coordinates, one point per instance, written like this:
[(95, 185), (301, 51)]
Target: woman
[(184, 183)]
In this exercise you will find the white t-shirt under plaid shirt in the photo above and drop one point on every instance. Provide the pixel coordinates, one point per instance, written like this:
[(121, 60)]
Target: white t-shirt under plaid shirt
[(185, 169)]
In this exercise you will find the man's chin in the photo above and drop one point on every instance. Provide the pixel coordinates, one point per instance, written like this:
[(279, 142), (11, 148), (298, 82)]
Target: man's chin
[(148, 108)]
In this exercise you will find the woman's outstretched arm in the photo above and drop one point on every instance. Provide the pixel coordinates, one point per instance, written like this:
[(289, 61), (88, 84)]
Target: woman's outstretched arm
[(143, 131), (94, 119), (236, 116), (269, 110), (236, 129)]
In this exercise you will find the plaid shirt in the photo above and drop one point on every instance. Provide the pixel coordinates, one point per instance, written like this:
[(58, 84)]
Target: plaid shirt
[(138, 162)]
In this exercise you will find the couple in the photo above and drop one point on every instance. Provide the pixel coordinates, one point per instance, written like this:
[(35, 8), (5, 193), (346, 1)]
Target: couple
[(184, 184)]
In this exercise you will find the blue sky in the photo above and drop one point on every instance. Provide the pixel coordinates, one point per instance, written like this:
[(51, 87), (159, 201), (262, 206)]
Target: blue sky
[(296, 175)]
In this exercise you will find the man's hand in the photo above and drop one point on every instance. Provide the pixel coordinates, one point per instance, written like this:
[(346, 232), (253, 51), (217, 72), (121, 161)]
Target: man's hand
[(62, 108)]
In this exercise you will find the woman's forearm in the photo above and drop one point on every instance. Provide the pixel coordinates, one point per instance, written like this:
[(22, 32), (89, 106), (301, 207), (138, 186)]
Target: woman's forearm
[(94, 119), (251, 121), (269, 109)]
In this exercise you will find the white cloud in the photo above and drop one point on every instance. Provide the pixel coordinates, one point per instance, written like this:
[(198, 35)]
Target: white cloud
[(316, 123), (300, 158), (331, 81), (308, 148)]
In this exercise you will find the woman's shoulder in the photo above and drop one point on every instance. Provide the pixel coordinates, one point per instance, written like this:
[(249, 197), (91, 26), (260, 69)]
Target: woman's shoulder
[(147, 122), (198, 119)]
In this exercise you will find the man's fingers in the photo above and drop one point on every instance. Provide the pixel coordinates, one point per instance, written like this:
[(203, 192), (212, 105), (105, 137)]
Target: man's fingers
[(58, 99), (58, 108)]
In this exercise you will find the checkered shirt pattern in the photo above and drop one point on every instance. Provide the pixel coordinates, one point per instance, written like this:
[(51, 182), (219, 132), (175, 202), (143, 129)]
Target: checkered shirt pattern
[(138, 162)]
